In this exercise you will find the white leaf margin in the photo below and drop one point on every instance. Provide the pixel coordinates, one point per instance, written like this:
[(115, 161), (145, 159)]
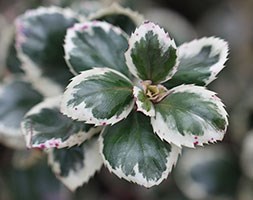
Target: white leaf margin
[(219, 46), (91, 164), (81, 113), (76, 139), (115, 8), (167, 130), (139, 178), (164, 41), (31, 69), (88, 28), (139, 104)]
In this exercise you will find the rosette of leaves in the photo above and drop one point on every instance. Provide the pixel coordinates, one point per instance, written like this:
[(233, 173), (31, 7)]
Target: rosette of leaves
[(148, 95)]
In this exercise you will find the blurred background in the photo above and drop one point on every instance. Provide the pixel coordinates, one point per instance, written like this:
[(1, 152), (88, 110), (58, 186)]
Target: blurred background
[(223, 171)]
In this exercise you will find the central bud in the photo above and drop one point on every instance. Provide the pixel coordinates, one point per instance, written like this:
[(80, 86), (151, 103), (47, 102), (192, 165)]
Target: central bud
[(155, 93)]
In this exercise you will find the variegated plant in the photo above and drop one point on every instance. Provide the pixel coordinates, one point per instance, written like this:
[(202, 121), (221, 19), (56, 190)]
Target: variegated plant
[(148, 94), (133, 103)]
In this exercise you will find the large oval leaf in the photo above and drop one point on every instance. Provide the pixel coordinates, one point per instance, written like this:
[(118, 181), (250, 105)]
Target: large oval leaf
[(115, 14), (76, 165), (44, 126), (39, 40), (98, 96), (95, 44), (199, 62), (151, 55), (189, 116), (132, 151), (16, 98)]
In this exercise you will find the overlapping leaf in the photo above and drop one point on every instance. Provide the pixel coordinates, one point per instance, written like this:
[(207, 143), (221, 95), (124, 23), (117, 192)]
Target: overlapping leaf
[(16, 98), (98, 96), (115, 14), (189, 116), (200, 61), (95, 44), (132, 151), (76, 165), (151, 55), (39, 41), (44, 126)]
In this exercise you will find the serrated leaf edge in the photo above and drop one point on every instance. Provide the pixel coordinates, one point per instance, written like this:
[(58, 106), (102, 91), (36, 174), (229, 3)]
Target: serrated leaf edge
[(91, 164), (160, 127), (85, 27), (220, 46), (164, 40), (54, 142), (139, 104), (138, 178), (81, 113)]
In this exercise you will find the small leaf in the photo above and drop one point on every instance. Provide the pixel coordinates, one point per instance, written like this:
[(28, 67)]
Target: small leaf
[(98, 96), (16, 98), (132, 151), (199, 62), (151, 55), (95, 44), (143, 104), (39, 42), (76, 165), (189, 116), (44, 126), (117, 15)]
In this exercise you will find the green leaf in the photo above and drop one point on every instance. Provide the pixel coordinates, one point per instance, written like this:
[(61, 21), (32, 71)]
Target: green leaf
[(76, 165), (16, 98), (39, 40), (132, 151), (13, 63), (95, 44), (190, 116), (117, 15), (151, 55), (98, 96), (44, 126), (143, 104), (199, 62)]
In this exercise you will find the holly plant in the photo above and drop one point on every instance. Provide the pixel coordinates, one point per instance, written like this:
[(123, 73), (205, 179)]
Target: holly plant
[(134, 100)]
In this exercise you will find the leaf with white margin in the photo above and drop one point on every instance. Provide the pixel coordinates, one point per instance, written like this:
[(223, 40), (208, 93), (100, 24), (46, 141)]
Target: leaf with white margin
[(143, 104), (117, 15), (199, 62), (151, 55), (76, 165), (189, 116), (16, 98), (44, 126), (39, 41), (132, 151), (98, 96), (95, 44)]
